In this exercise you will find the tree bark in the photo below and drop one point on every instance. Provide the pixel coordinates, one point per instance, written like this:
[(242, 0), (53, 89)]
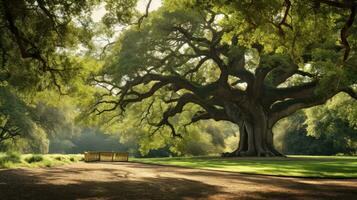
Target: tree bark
[(255, 135)]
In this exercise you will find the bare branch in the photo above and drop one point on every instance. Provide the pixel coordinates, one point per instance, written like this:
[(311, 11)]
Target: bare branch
[(101, 55), (283, 20), (191, 37), (140, 20), (344, 31), (346, 4), (147, 112), (198, 66)]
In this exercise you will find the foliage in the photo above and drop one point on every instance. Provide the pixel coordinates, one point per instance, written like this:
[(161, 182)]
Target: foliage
[(186, 62), (37, 42), (33, 36), (34, 158), (136, 135), (15, 160), (6, 159), (36, 125), (45, 45), (94, 140), (14, 115), (323, 130), (249, 63), (337, 116)]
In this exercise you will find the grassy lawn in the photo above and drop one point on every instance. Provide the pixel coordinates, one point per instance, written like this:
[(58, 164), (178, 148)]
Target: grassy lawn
[(15, 160), (296, 166)]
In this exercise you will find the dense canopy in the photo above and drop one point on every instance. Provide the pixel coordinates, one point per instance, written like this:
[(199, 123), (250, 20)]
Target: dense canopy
[(251, 63)]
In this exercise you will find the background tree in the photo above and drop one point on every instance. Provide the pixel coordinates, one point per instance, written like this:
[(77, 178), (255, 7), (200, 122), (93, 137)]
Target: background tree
[(37, 42), (328, 129), (42, 47), (245, 62)]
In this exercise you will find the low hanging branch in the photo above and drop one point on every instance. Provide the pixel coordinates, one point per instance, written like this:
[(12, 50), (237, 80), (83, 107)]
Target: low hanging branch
[(8, 132)]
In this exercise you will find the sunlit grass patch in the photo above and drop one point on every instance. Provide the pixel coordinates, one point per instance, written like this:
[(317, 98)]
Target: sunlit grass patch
[(15, 160), (296, 166), (9, 159)]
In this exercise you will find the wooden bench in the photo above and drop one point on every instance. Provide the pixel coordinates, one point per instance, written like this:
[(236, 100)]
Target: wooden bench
[(106, 156)]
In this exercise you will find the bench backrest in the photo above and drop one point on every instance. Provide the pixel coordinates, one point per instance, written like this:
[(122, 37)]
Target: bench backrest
[(106, 156)]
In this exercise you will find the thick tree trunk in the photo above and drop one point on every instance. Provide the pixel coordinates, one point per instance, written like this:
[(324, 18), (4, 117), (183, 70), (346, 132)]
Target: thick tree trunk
[(254, 140), (256, 137)]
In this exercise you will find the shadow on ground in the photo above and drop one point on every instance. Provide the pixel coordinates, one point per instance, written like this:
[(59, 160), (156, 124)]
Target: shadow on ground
[(140, 181), (158, 188), (22, 184)]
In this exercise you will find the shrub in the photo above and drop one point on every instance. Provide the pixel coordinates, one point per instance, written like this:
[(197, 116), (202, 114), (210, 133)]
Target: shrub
[(48, 163), (34, 158), (13, 157), (60, 158), (9, 158)]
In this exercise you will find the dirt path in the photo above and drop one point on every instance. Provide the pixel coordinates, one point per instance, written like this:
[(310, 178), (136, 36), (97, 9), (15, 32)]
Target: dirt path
[(142, 181)]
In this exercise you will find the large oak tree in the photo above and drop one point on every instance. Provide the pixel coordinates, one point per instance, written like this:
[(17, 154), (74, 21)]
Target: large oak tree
[(248, 62)]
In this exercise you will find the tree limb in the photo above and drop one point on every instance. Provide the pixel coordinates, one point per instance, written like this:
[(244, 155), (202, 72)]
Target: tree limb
[(140, 20), (344, 31), (350, 92)]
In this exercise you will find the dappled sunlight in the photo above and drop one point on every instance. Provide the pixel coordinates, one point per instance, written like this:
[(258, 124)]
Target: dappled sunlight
[(141, 181), (104, 180), (178, 99)]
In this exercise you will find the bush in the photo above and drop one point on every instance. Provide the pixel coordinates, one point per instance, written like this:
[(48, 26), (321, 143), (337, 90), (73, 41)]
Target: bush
[(48, 163), (34, 158), (13, 157), (9, 158), (60, 158)]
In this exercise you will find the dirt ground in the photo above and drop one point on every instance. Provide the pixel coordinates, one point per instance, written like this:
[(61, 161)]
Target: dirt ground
[(143, 181)]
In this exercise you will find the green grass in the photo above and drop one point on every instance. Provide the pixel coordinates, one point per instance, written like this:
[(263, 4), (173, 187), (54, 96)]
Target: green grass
[(16, 160), (295, 166)]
